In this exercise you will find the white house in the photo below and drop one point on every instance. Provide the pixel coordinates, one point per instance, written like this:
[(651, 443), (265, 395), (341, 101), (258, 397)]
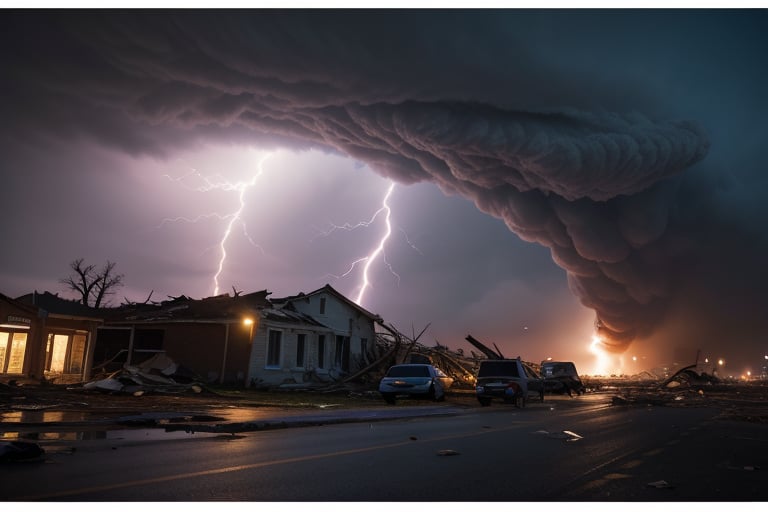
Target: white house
[(321, 335)]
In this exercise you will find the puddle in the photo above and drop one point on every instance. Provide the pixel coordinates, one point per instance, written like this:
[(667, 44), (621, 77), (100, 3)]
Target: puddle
[(154, 434)]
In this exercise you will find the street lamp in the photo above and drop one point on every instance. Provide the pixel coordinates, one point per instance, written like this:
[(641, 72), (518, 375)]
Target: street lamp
[(249, 322)]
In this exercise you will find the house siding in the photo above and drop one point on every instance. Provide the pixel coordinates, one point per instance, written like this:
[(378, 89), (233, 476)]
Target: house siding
[(286, 371), (344, 320)]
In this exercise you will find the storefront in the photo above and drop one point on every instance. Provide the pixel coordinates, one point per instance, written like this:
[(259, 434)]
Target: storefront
[(17, 326), (45, 337)]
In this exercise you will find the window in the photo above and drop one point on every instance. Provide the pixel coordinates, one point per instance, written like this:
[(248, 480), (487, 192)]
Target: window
[(57, 352), (342, 353), (420, 370), (148, 340), (77, 354), (498, 369), (300, 338), (339, 349), (322, 305), (364, 346), (321, 351), (13, 347), (273, 348), (65, 353)]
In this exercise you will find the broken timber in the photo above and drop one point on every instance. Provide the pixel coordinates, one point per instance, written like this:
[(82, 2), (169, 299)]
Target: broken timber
[(489, 353)]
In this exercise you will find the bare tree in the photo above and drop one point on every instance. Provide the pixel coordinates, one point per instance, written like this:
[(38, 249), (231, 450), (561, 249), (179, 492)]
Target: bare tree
[(92, 284)]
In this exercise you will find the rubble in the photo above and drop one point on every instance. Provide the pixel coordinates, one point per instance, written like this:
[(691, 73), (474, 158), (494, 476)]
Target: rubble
[(393, 347), (158, 374)]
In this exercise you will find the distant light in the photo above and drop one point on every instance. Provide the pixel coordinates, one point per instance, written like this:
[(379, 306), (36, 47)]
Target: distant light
[(634, 358), (248, 321), (720, 362), (706, 359)]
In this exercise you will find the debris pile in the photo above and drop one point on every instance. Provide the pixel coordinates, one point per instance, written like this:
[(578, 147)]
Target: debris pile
[(393, 347), (158, 374)]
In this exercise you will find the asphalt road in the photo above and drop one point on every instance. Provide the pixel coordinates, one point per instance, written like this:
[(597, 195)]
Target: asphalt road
[(581, 449)]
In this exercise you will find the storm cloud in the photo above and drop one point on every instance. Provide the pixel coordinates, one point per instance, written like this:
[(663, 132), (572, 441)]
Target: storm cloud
[(550, 121)]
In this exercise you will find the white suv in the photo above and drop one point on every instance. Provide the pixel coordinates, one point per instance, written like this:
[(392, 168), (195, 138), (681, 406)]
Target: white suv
[(511, 380)]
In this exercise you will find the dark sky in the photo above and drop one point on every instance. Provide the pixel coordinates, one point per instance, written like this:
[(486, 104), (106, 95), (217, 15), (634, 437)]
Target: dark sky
[(551, 168)]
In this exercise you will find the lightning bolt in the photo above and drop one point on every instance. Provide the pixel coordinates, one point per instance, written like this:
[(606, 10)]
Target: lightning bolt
[(217, 182), (380, 247), (369, 259)]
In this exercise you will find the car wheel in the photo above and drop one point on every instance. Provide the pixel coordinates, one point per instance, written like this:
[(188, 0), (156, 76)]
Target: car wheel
[(431, 394), (485, 402), (389, 398)]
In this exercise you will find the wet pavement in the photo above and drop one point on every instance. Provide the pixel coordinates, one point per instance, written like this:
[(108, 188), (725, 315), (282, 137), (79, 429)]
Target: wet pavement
[(49, 426)]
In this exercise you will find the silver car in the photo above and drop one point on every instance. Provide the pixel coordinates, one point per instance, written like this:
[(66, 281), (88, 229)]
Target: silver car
[(415, 381)]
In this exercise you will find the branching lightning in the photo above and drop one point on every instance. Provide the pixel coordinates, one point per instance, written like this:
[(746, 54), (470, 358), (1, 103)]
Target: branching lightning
[(217, 182), (368, 260), (380, 247)]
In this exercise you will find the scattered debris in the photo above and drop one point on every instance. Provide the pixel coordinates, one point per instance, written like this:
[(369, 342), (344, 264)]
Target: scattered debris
[(572, 436), (568, 435), (661, 484), (14, 451)]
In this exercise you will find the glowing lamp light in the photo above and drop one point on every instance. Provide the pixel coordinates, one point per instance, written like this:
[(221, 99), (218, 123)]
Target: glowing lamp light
[(721, 362), (248, 321)]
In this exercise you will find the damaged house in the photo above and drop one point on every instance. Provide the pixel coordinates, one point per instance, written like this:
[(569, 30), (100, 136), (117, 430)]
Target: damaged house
[(43, 336), (246, 340), (343, 345)]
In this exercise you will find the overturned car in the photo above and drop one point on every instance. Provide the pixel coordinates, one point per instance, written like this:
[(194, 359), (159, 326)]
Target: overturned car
[(561, 377)]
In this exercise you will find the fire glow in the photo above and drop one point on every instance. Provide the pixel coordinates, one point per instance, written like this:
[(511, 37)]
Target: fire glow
[(603, 364)]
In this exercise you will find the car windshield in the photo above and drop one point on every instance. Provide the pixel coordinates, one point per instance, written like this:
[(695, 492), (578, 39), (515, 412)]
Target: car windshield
[(408, 371), (498, 368)]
